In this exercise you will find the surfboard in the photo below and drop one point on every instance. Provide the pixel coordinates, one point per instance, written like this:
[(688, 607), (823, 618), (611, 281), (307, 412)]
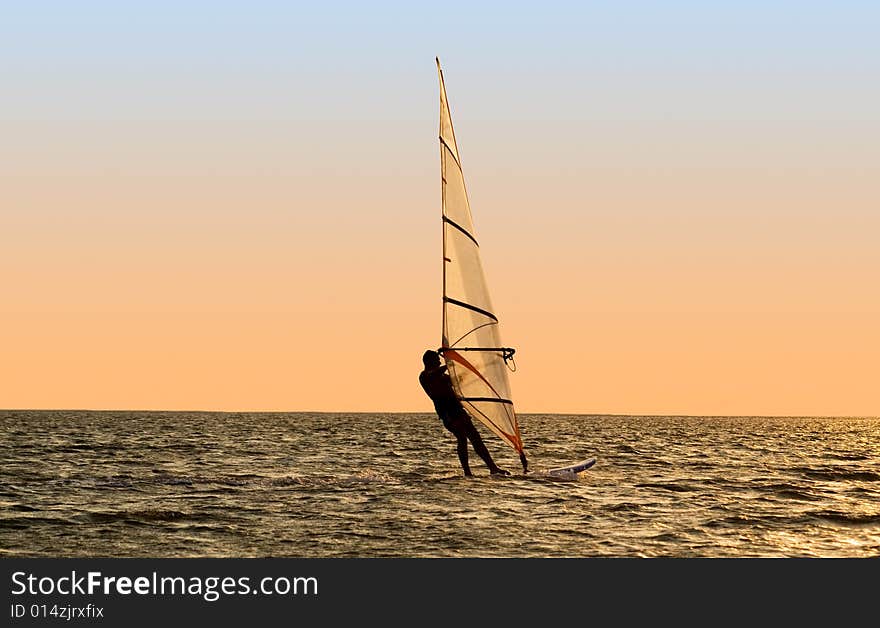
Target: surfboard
[(574, 468)]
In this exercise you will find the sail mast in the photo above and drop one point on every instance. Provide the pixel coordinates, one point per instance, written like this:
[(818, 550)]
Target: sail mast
[(443, 339)]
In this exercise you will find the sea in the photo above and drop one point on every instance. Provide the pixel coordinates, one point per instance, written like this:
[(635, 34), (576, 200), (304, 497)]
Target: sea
[(316, 485)]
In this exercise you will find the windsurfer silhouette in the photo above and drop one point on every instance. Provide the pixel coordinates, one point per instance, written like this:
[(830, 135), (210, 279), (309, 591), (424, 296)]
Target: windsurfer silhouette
[(438, 386)]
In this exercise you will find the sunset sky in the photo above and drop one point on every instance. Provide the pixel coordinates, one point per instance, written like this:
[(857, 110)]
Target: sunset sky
[(236, 206)]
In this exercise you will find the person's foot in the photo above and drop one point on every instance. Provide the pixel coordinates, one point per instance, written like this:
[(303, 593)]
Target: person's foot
[(499, 471)]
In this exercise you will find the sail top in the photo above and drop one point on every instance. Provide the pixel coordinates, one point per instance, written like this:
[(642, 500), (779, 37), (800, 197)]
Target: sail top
[(447, 134)]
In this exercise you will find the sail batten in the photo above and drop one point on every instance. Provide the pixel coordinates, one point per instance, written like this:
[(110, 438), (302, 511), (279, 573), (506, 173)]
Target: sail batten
[(452, 223), (469, 320), (471, 307)]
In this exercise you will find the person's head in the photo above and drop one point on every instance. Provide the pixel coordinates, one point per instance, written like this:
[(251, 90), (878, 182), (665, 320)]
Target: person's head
[(431, 358)]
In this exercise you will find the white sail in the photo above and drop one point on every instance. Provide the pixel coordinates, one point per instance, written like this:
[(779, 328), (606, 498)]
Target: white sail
[(471, 341)]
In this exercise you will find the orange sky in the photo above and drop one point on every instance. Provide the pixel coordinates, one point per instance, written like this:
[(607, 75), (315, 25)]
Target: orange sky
[(282, 251)]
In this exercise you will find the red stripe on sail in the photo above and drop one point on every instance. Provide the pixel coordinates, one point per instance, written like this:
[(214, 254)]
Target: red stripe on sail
[(515, 439)]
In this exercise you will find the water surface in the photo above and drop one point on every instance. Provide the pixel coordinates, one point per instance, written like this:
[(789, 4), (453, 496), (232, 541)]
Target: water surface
[(163, 484)]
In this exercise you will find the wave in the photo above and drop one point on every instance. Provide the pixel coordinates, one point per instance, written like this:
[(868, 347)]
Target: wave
[(840, 475), (668, 486), (147, 515), (849, 519), (784, 490)]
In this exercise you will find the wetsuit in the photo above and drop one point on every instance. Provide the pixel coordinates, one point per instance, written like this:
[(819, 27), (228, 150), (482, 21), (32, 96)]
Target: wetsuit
[(438, 386)]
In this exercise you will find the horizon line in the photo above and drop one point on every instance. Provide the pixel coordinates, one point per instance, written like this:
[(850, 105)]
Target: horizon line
[(520, 413)]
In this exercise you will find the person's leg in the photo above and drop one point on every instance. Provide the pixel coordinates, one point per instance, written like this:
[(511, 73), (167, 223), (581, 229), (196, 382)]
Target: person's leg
[(462, 448), (480, 448), (459, 430)]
